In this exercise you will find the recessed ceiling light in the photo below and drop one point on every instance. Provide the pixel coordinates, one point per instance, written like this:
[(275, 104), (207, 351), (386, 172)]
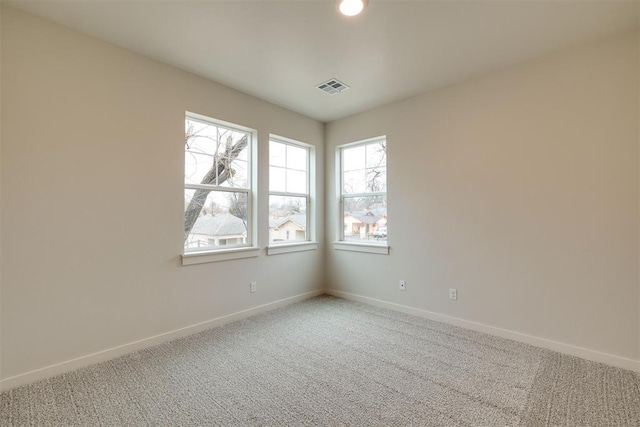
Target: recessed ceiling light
[(351, 7)]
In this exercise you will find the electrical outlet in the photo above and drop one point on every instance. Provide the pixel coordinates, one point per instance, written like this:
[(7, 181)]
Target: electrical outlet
[(403, 285), (254, 287), (453, 294)]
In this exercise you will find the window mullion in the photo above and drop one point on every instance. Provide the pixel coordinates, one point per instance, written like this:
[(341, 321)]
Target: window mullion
[(355, 195), (286, 194), (216, 188)]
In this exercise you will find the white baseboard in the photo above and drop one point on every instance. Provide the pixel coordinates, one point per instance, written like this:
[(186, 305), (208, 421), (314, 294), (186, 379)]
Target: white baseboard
[(101, 356), (593, 355)]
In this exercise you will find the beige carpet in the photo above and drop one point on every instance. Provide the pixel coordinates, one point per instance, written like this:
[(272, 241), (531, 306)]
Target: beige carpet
[(328, 361)]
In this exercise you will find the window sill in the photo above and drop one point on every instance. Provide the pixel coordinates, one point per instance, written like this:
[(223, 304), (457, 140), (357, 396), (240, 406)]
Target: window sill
[(286, 248), (361, 247), (191, 258)]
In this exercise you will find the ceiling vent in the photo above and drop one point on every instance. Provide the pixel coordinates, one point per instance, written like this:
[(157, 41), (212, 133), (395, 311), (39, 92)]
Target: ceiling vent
[(332, 86)]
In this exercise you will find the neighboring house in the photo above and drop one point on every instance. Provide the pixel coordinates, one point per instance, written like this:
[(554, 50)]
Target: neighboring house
[(217, 230), (292, 227), (363, 225)]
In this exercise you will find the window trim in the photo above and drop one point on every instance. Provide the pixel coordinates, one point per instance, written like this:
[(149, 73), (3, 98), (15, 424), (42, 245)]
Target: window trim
[(236, 251), (227, 254), (372, 248), (285, 248), (276, 248), (340, 243)]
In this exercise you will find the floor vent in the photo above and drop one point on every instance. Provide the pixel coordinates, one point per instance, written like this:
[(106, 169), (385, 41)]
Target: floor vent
[(332, 86)]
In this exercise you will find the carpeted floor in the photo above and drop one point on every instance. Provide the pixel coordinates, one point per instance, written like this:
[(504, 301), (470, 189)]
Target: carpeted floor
[(329, 362)]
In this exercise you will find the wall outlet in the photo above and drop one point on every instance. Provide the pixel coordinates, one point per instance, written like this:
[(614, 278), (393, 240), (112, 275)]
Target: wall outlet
[(253, 287), (403, 285), (453, 294)]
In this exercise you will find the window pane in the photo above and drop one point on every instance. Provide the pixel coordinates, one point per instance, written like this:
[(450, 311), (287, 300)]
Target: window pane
[(277, 179), (200, 137), (297, 158), (196, 166), (353, 158), (376, 155), (354, 182), (239, 174), (277, 153), (371, 179), (376, 180), (296, 181), (365, 219), (210, 148), (214, 219), (287, 219), (244, 154)]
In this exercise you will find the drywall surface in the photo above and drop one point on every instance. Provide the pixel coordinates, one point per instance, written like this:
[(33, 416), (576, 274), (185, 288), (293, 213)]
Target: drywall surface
[(0, 190), (92, 198), (520, 189)]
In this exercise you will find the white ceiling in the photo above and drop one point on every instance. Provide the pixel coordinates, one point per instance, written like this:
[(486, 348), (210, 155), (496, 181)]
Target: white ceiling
[(279, 50)]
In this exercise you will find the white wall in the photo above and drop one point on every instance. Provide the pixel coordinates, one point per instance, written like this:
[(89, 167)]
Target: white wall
[(92, 173), (0, 190), (520, 189)]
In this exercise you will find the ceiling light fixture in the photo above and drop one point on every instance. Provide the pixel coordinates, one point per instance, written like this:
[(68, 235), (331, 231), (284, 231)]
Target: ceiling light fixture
[(351, 7)]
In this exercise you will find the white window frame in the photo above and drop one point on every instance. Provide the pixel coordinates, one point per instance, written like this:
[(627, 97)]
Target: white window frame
[(341, 243), (237, 251), (276, 248)]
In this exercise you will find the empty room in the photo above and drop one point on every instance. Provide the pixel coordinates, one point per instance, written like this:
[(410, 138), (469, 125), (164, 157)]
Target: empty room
[(320, 213)]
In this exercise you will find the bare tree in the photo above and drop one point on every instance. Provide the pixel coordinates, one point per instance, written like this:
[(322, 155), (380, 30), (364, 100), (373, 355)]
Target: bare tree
[(219, 173), (238, 207)]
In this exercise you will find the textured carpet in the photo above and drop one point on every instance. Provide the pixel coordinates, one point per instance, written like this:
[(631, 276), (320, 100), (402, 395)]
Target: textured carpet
[(328, 361)]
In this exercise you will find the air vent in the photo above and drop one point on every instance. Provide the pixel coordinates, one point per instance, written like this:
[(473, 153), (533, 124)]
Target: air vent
[(332, 86)]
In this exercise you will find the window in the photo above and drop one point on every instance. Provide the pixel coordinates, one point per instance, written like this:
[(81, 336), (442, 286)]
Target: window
[(217, 185), (289, 195), (363, 192)]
